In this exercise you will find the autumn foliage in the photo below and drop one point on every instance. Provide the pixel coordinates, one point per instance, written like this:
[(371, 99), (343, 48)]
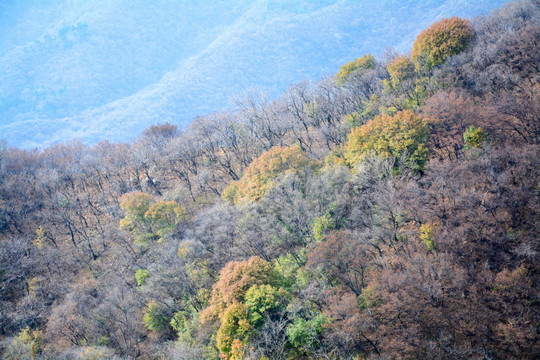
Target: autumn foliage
[(400, 69), (401, 135), (360, 65), (228, 240), (263, 171), (246, 290), (441, 40), (147, 219)]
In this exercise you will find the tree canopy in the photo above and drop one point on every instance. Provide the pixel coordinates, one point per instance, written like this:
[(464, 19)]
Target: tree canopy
[(417, 239), (263, 171), (441, 40), (402, 135)]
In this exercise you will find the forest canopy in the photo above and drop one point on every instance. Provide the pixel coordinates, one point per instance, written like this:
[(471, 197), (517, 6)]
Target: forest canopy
[(388, 212)]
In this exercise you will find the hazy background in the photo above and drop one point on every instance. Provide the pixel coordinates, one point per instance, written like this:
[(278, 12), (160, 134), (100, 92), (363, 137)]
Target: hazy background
[(98, 70)]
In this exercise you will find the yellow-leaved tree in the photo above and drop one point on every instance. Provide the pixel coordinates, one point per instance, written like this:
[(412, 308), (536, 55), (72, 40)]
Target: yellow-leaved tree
[(358, 66), (398, 136), (148, 219), (246, 292)]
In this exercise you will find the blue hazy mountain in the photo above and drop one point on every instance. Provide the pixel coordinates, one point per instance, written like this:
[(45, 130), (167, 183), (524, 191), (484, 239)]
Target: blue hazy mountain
[(98, 70)]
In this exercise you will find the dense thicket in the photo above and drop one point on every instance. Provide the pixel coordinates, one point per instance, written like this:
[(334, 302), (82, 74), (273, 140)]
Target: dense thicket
[(390, 212)]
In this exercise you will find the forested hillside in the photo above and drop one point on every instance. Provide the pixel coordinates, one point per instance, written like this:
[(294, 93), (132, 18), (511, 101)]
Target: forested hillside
[(388, 212)]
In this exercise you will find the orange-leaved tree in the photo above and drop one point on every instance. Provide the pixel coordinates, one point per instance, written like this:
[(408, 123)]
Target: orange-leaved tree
[(441, 40), (263, 171)]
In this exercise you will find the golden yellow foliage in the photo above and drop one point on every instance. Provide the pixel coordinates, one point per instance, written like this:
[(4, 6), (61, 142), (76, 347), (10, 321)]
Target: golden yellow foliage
[(403, 134), (40, 237), (262, 172), (400, 69), (233, 332), (426, 235)]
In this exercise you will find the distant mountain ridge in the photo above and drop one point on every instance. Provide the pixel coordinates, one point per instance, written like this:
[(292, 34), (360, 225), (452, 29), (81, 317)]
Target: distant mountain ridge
[(96, 70)]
